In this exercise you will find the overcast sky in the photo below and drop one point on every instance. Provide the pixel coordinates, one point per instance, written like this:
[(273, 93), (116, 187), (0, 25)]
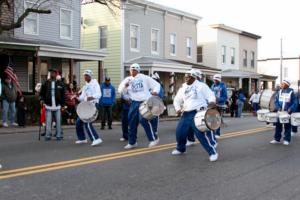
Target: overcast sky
[(271, 19)]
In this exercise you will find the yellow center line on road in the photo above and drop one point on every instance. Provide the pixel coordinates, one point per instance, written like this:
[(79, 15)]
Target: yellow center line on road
[(101, 158)]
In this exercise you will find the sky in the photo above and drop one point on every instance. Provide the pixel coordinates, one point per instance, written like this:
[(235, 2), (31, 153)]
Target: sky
[(271, 19)]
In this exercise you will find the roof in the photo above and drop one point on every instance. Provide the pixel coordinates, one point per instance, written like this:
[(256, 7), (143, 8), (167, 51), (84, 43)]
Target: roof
[(287, 58), (232, 73), (51, 49), (234, 30), (166, 8)]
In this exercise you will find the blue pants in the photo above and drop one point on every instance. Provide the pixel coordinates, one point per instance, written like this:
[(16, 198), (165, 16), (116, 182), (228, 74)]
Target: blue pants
[(154, 122), (185, 125), (295, 129), (8, 108), (255, 107), (210, 134), (287, 132), (88, 127), (217, 132), (240, 108), (134, 118), (49, 115), (125, 123)]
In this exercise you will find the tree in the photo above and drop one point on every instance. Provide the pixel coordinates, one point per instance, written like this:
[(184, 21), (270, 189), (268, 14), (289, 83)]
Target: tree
[(18, 14)]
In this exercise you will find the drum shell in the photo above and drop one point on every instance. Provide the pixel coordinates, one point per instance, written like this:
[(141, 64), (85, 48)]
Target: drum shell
[(284, 117), (261, 115), (267, 100), (295, 119), (145, 111), (271, 117), (205, 119), (85, 107), (199, 121), (151, 108)]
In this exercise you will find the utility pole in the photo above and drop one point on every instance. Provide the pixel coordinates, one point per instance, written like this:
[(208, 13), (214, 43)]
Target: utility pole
[(280, 60)]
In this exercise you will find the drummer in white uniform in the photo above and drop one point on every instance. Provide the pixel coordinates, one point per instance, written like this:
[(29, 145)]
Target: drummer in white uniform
[(90, 92), (194, 96), (285, 100), (138, 87)]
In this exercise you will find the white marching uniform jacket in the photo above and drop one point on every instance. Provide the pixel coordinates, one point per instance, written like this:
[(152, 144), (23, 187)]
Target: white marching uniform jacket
[(193, 97), (91, 89), (139, 87)]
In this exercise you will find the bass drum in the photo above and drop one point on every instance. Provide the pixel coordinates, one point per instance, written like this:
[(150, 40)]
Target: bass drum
[(209, 119), (87, 111), (151, 108), (267, 100)]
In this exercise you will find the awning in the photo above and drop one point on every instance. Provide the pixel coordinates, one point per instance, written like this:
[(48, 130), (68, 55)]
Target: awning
[(240, 74), (158, 64)]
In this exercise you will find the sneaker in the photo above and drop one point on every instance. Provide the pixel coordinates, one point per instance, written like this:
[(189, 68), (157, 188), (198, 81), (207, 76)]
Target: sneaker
[(153, 143), (217, 136), (96, 142), (102, 127), (59, 138), (5, 125), (190, 143), (81, 141), (293, 133), (109, 127), (216, 145), (214, 157), (129, 146), (122, 139), (274, 142), (14, 124), (286, 143), (175, 152), (47, 138)]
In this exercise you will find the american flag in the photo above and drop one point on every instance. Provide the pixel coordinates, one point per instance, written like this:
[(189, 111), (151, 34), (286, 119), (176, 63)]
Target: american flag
[(9, 71)]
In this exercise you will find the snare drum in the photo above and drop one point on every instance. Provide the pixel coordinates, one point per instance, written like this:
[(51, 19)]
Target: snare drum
[(295, 119), (284, 117), (272, 117), (209, 119), (87, 111), (267, 100), (261, 115), (151, 108)]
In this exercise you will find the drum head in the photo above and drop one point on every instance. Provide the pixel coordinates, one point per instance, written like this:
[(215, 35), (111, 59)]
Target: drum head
[(155, 105), (213, 119), (267, 100), (86, 111)]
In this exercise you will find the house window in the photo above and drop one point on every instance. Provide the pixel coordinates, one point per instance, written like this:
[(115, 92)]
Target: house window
[(134, 37), (252, 58), (103, 37), (173, 44), (232, 56), (65, 24), (200, 54), (189, 47), (223, 53), (285, 72), (245, 58), (31, 22), (154, 41)]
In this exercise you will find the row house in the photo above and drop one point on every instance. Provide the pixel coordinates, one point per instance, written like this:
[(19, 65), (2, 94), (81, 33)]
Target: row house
[(44, 41), (234, 52), (159, 38)]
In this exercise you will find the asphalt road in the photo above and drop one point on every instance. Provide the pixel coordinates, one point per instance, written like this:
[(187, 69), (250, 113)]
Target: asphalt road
[(248, 167)]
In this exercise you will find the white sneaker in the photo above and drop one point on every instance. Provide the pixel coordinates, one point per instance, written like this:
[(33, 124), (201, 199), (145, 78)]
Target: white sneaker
[(190, 143), (129, 146), (153, 143), (96, 142), (122, 139), (175, 152), (217, 136), (81, 142), (274, 142), (213, 157), (5, 125), (293, 133), (286, 143), (15, 124)]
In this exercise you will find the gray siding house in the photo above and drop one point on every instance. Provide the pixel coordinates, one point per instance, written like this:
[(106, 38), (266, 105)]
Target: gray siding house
[(45, 41)]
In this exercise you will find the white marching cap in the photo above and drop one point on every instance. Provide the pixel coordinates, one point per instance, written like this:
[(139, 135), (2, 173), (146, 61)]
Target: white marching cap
[(217, 77), (192, 73), (288, 82), (88, 72), (135, 66)]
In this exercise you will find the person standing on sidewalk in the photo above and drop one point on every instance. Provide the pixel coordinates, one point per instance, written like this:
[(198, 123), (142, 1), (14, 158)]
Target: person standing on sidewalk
[(9, 97), (254, 101), (285, 101), (53, 97), (106, 102), (240, 102), (90, 92)]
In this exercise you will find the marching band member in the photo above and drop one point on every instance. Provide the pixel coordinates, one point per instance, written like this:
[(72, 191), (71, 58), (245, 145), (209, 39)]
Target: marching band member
[(155, 121), (90, 92), (194, 96), (125, 105), (285, 100), (138, 87), (219, 88)]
